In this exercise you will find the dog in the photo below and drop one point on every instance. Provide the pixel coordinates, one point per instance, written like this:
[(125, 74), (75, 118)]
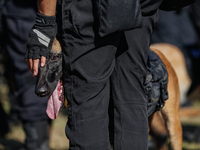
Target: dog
[(177, 61), (169, 114), (176, 58), (49, 83)]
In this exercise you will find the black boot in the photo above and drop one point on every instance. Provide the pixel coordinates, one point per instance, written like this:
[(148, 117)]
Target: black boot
[(37, 136)]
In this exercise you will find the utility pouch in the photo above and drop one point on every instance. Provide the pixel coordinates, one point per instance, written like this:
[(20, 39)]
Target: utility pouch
[(118, 15), (155, 83)]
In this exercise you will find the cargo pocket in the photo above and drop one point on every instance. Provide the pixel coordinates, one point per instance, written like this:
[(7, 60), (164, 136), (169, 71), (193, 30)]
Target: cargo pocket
[(118, 15)]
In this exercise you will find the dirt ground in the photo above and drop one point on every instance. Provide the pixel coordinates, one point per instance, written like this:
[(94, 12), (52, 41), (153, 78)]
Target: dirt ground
[(58, 141)]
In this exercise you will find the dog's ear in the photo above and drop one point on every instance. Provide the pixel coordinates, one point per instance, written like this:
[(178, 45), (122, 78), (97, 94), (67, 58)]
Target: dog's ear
[(56, 47)]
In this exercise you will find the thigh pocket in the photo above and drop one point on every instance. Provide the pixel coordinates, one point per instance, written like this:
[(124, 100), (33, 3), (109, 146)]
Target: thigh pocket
[(118, 15)]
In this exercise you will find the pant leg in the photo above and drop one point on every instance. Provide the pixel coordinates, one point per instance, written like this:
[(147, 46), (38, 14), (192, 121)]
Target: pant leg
[(129, 98), (88, 64), (87, 89)]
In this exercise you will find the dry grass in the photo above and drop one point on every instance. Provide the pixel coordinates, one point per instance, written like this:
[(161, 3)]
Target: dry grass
[(58, 141)]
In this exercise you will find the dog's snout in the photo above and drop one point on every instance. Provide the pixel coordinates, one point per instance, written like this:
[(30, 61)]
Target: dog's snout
[(42, 91)]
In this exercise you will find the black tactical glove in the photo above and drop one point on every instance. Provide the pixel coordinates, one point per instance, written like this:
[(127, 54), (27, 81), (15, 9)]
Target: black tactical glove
[(41, 37)]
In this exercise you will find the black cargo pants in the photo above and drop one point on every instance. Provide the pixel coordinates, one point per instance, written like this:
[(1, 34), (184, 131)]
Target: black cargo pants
[(99, 69)]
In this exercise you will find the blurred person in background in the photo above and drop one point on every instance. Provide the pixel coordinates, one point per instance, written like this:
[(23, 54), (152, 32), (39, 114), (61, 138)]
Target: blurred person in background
[(4, 126), (194, 50), (18, 18)]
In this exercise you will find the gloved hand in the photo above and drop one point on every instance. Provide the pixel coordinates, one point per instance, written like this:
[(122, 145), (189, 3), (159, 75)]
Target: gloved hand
[(41, 37)]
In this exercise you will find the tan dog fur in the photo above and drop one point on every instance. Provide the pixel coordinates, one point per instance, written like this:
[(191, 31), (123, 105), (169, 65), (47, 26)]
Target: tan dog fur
[(177, 60)]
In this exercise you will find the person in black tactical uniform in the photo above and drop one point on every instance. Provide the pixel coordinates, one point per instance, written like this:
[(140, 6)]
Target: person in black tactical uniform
[(105, 47), (18, 18)]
